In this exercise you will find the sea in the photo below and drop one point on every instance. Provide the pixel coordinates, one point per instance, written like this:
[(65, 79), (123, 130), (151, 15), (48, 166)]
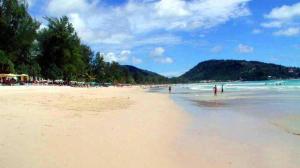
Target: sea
[(261, 115)]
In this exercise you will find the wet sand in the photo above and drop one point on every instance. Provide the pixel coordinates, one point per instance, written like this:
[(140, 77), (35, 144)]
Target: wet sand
[(241, 130)]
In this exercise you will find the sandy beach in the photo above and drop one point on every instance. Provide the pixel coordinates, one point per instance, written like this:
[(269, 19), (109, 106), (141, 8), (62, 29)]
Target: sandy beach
[(46, 127), (88, 127)]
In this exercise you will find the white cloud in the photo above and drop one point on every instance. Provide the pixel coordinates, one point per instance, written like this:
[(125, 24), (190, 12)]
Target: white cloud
[(158, 55), (31, 2), (157, 52), (110, 57), (98, 23), (256, 31), (136, 60), (172, 74), (122, 57), (244, 49), (285, 19), (216, 49), (182, 15), (62, 7), (42, 26), (292, 31), (272, 24), (285, 12), (164, 39), (170, 8), (165, 60)]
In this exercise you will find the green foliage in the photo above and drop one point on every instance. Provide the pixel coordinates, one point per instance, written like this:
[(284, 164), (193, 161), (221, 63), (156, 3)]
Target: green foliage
[(18, 31), (6, 66), (222, 70), (99, 68), (34, 69), (53, 72), (62, 55), (56, 51), (115, 73), (87, 57)]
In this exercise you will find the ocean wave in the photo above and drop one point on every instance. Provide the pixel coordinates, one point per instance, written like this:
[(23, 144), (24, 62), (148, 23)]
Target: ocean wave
[(239, 86)]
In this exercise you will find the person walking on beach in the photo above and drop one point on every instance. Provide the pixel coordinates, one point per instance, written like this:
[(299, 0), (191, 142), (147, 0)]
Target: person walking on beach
[(215, 90), (170, 89), (222, 90)]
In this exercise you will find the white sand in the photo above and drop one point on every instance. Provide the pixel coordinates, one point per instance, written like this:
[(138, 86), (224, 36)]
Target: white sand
[(62, 127)]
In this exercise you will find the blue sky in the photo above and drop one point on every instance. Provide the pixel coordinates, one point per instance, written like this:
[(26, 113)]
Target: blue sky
[(172, 36)]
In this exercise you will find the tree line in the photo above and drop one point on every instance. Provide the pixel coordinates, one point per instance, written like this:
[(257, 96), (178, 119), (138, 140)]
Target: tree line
[(54, 52)]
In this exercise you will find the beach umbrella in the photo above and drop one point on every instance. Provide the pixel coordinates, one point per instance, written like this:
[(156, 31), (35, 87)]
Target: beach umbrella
[(24, 75), (11, 75)]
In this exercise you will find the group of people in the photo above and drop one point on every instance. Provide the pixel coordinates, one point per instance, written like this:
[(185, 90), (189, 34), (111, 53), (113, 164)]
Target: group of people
[(215, 89)]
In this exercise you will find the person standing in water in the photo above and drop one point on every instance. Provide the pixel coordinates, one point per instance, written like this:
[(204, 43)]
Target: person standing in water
[(222, 90), (170, 89), (215, 90)]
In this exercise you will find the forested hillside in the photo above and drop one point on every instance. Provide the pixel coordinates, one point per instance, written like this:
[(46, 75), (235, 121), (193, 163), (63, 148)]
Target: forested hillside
[(239, 70)]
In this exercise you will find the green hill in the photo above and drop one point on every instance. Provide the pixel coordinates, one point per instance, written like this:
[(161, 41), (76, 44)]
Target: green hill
[(222, 70), (141, 76)]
